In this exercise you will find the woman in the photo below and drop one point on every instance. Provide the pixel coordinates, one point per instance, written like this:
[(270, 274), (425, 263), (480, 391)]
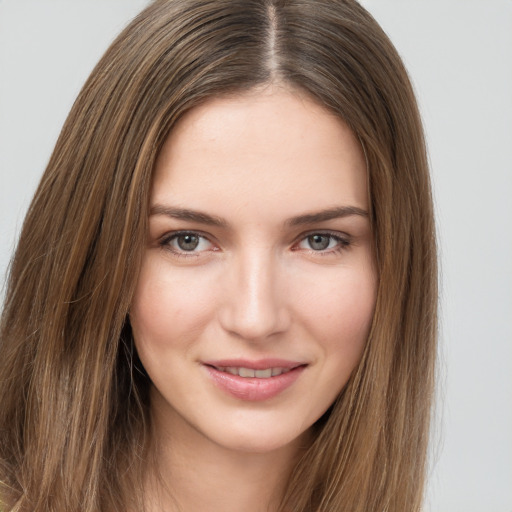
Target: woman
[(224, 293)]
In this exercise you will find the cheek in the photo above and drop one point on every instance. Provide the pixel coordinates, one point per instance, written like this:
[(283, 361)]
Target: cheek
[(168, 306), (340, 312)]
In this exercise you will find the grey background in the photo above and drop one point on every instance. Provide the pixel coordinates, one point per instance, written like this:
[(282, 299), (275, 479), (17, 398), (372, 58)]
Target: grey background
[(459, 54)]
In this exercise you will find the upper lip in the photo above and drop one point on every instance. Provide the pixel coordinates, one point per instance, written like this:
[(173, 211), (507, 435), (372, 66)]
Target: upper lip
[(260, 364)]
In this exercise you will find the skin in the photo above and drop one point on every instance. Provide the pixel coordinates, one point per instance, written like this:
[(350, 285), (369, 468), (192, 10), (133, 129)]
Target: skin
[(258, 286)]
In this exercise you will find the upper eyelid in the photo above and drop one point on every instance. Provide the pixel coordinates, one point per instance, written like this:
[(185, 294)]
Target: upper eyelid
[(171, 234), (304, 234), (328, 232), (344, 241)]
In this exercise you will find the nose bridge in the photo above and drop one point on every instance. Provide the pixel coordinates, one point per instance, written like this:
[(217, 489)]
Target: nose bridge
[(254, 304)]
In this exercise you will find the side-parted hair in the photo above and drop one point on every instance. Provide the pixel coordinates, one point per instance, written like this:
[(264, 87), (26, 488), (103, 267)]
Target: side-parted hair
[(74, 405)]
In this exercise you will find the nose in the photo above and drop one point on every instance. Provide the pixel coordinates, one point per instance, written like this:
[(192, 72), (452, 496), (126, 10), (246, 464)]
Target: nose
[(255, 306)]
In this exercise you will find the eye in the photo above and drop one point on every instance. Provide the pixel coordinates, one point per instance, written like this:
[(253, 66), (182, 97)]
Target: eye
[(323, 242), (187, 242)]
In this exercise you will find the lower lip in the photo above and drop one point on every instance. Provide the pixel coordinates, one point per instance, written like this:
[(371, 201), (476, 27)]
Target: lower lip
[(251, 388)]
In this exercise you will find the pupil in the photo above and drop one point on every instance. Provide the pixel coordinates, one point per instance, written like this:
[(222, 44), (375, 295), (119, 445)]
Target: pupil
[(318, 242), (188, 242)]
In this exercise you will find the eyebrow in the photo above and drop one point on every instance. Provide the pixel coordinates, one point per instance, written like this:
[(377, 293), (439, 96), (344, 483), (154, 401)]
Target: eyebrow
[(213, 220), (324, 215), (190, 215)]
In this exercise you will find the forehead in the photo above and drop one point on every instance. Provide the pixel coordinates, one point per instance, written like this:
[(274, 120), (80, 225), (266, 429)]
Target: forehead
[(272, 146)]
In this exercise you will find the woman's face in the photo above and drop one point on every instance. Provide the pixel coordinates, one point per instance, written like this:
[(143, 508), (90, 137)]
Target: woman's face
[(257, 286)]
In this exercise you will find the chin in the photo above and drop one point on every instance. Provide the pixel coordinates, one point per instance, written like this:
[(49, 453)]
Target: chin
[(262, 440)]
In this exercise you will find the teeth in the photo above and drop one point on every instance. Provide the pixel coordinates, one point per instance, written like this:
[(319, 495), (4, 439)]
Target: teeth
[(263, 374), (251, 373), (246, 372)]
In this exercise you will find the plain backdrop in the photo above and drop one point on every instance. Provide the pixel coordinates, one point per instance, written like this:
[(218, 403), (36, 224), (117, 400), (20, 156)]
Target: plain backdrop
[(459, 54)]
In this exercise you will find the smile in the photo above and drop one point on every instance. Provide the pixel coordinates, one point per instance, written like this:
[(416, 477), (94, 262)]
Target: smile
[(254, 380), (252, 373)]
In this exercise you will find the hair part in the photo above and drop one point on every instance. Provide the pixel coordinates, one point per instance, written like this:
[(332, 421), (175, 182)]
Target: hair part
[(74, 413)]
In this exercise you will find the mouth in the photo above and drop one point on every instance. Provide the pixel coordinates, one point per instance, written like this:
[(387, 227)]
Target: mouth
[(248, 373), (255, 380)]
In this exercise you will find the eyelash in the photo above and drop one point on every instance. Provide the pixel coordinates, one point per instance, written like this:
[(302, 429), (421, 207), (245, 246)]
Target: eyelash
[(343, 243), (165, 243)]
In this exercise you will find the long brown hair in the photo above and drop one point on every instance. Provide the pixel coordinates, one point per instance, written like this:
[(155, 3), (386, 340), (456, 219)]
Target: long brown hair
[(74, 423)]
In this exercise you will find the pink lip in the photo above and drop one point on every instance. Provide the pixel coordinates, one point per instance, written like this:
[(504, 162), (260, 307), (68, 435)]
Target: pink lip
[(260, 364), (254, 389)]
